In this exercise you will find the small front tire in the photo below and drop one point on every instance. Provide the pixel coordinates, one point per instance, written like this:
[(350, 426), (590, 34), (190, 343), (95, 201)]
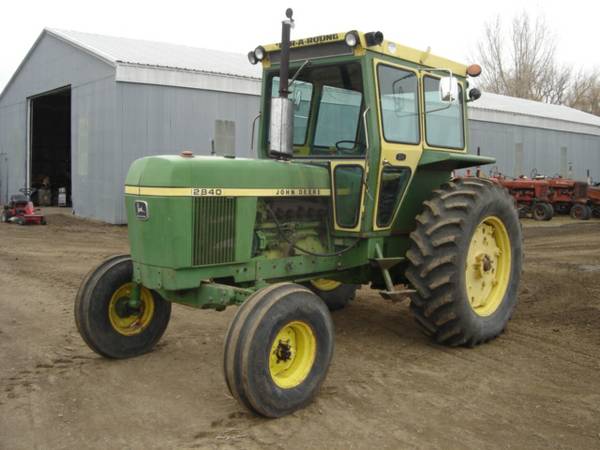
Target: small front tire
[(543, 211), (278, 349), (104, 318)]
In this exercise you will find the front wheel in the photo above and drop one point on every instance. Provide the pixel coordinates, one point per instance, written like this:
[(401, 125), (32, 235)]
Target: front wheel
[(335, 294), (278, 349), (543, 211), (465, 262), (108, 322)]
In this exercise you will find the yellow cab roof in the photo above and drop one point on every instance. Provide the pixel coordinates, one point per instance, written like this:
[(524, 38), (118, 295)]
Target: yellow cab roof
[(389, 48)]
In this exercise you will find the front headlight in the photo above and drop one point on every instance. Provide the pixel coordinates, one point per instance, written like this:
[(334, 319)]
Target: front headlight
[(351, 39), (260, 53)]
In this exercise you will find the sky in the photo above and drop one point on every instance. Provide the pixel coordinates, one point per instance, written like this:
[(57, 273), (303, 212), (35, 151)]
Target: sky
[(235, 26)]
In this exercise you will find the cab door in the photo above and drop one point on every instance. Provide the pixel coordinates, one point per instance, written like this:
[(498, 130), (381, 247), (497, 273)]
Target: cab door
[(400, 131), (339, 135)]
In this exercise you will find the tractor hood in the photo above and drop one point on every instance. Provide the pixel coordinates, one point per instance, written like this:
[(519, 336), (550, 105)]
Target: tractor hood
[(219, 176)]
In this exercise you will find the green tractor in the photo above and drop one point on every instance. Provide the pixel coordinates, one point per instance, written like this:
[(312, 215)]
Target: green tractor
[(353, 185)]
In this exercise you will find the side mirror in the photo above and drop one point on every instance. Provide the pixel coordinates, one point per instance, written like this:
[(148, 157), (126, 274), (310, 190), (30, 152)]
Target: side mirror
[(448, 89)]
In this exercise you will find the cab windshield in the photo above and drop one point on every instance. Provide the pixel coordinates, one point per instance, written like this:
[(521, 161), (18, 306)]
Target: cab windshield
[(328, 104)]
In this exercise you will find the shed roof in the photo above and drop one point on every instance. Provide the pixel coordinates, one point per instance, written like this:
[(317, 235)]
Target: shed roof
[(149, 62), (517, 111), (120, 50)]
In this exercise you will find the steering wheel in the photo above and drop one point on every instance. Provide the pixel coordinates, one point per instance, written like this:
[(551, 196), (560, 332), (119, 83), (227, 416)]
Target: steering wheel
[(345, 151)]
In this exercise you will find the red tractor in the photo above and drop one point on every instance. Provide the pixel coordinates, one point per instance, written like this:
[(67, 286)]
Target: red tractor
[(594, 199), (531, 196), (20, 210), (570, 197)]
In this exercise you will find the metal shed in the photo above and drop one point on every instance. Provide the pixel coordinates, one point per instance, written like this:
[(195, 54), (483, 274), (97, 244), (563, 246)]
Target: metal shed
[(81, 107), (528, 137)]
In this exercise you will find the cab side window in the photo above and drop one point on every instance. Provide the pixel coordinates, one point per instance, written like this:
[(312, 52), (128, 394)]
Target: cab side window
[(399, 102), (443, 122)]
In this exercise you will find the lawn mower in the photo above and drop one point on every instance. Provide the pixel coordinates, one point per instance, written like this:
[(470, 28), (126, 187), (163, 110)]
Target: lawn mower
[(20, 210)]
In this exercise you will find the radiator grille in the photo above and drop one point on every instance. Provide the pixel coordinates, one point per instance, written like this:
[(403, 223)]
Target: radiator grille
[(580, 190), (213, 230)]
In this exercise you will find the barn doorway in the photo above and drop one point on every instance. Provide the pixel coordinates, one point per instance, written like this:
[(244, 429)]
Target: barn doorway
[(50, 148)]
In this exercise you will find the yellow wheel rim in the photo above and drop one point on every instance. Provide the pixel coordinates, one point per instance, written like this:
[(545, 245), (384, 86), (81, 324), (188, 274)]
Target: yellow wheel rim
[(487, 269), (324, 284), (126, 321), (292, 355)]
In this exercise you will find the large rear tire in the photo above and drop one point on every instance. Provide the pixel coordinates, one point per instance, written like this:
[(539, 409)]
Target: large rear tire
[(465, 262), (104, 318), (336, 295), (278, 349)]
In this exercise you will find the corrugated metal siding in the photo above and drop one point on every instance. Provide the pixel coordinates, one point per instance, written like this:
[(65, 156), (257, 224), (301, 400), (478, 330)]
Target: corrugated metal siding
[(114, 123), (52, 64), (166, 120), (541, 149), (96, 163)]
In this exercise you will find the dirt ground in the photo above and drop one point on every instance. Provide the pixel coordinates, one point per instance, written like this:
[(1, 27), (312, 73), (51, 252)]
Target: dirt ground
[(537, 386)]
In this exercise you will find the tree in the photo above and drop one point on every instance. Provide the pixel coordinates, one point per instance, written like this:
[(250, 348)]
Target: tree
[(522, 62), (584, 93)]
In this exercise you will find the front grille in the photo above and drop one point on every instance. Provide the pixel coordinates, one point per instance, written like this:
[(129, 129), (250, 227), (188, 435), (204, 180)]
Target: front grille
[(213, 230), (580, 190)]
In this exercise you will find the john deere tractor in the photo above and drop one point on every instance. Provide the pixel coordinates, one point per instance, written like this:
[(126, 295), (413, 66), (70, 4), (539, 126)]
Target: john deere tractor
[(357, 144)]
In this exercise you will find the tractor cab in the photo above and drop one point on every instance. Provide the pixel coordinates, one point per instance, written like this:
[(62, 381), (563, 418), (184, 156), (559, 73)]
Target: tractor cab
[(372, 111)]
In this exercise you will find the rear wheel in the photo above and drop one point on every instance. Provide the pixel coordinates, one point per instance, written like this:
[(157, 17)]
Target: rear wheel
[(278, 349), (335, 294), (108, 322), (580, 211), (543, 211), (465, 262)]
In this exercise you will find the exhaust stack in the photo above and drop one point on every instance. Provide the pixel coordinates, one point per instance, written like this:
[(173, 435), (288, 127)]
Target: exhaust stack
[(281, 126)]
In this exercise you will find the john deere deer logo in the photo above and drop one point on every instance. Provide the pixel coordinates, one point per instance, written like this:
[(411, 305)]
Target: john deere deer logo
[(141, 210)]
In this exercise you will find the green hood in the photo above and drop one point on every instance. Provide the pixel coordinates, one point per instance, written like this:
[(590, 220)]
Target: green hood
[(228, 173)]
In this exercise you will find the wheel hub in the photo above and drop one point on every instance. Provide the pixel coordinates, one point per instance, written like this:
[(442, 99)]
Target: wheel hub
[(487, 268), (127, 319), (123, 308), (283, 351), (292, 354)]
